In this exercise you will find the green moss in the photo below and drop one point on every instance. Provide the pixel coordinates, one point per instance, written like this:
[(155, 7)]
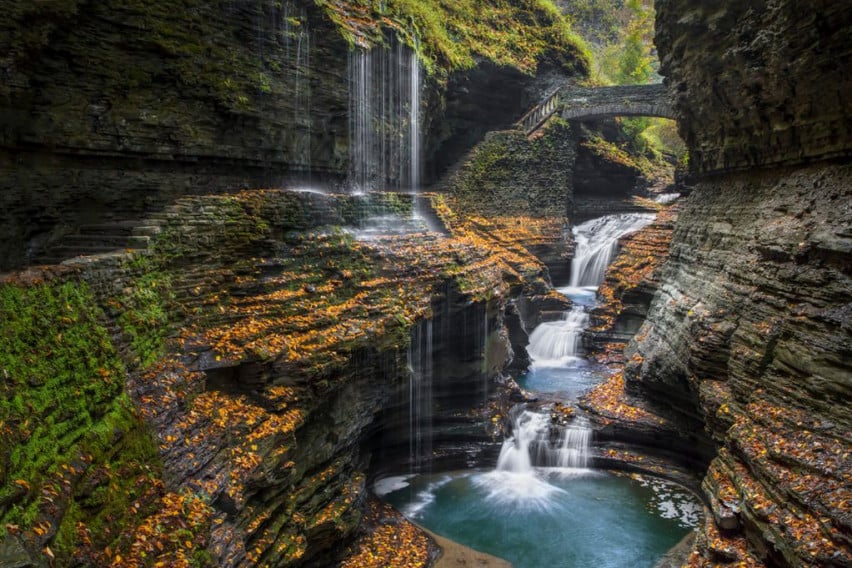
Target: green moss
[(450, 35), (509, 174), (64, 413), (143, 312)]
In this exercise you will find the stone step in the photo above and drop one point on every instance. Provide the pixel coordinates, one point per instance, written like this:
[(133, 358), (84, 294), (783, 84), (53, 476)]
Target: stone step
[(147, 230), (65, 252), (105, 240), (115, 228)]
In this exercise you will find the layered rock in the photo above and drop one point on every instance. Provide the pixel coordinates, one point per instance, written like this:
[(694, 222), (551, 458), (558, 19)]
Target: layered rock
[(758, 83), (748, 335), (266, 360), (111, 111)]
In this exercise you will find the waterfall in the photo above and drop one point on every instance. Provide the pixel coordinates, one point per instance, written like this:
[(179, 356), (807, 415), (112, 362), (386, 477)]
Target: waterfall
[(596, 243), (420, 395), (556, 343), (414, 122), (533, 444), (384, 119)]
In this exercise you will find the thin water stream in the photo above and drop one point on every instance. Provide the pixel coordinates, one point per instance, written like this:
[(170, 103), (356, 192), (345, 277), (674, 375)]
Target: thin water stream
[(541, 505)]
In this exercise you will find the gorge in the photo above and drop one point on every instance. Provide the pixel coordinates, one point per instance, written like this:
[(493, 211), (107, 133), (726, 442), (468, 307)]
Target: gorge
[(274, 272)]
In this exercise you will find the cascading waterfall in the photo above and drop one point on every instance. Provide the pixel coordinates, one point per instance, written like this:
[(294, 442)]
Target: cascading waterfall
[(533, 444), (559, 343), (384, 119), (420, 395), (597, 242)]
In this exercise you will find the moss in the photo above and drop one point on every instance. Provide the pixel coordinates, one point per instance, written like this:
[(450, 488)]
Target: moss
[(450, 35), (144, 311), (71, 436), (510, 174)]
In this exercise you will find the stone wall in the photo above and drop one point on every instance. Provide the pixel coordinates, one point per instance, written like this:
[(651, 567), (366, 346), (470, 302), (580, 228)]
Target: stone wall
[(512, 174)]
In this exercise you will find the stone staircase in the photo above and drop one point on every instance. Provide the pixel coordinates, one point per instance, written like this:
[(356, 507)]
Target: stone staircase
[(99, 239)]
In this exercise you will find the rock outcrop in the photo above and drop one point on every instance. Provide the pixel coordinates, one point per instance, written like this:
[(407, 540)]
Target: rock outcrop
[(748, 335), (268, 361), (758, 83)]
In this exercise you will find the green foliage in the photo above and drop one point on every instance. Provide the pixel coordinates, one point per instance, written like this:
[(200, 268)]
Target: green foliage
[(622, 34), (450, 35), (62, 407), (143, 312)]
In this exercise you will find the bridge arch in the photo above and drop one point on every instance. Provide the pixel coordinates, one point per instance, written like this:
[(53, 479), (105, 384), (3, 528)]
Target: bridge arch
[(580, 103)]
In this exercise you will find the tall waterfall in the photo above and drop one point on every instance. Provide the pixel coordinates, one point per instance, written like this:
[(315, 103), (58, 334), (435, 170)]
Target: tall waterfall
[(420, 394), (596, 243), (534, 443), (384, 119)]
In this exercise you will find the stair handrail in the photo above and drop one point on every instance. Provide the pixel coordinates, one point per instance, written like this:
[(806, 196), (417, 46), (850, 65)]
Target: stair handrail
[(536, 116)]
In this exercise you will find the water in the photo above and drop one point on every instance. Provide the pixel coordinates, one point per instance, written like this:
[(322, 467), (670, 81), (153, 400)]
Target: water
[(297, 44), (384, 119), (555, 348), (557, 343), (542, 505), (382, 226), (666, 198), (567, 376), (597, 242), (549, 519), (535, 443)]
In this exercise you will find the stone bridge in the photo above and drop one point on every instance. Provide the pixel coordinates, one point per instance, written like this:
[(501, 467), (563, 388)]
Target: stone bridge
[(578, 103)]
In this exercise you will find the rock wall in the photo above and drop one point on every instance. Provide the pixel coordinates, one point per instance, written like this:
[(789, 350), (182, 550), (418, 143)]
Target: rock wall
[(749, 333), (264, 358), (111, 110), (760, 82)]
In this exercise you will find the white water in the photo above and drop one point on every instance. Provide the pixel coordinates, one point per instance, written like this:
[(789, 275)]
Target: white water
[(384, 119), (535, 443), (557, 343), (597, 242), (666, 198), (532, 445)]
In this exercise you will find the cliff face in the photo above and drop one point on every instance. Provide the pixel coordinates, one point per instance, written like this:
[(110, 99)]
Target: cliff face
[(110, 110), (749, 333), (267, 360), (760, 82)]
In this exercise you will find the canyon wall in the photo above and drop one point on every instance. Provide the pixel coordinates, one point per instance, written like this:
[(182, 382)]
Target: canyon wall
[(111, 110), (237, 378), (749, 333)]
